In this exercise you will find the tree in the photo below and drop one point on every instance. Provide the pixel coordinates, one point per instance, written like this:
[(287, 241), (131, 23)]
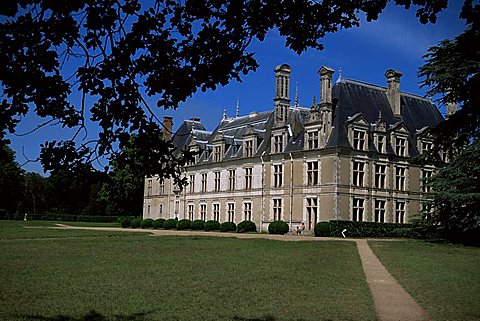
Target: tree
[(114, 53), (11, 180)]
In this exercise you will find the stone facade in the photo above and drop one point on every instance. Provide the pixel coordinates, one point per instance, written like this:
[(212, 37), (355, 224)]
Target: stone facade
[(345, 158)]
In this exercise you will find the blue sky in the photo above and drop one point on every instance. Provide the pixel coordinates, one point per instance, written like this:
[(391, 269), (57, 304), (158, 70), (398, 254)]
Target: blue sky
[(396, 40)]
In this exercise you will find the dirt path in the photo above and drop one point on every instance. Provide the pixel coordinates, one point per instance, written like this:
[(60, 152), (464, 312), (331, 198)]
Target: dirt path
[(392, 302)]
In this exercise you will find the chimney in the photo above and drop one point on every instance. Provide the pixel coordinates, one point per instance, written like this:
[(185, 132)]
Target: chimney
[(325, 85), (167, 128), (282, 82), (393, 90)]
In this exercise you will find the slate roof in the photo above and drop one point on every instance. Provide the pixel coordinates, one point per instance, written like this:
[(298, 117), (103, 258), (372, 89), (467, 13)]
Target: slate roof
[(350, 97)]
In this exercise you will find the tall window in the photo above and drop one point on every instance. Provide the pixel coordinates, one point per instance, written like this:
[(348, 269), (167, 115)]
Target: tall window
[(203, 212), (192, 183), (161, 188), (204, 182), (380, 211), (248, 148), (148, 210), (426, 174), (381, 143), (358, 209), (277, 175), (217, 153), (426, 146), (191, 212), (312, 139), (380, 175), (160, 209), (217, 181), (358, 173), (277, 209), (400, 146), (359, 139), (149, 187), (278, 143), (216, 212), (312, 212), (231, 212), (248, 178), (312, 173), (399, 212), (247, 211), (231, 179), (400, 178)]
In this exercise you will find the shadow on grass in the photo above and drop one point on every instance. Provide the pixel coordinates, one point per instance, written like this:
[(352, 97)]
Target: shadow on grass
[(92, 316)]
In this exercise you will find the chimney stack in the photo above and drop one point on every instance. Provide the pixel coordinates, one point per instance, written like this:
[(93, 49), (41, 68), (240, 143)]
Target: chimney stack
[(393, 90), (167, 128), (325, 84)]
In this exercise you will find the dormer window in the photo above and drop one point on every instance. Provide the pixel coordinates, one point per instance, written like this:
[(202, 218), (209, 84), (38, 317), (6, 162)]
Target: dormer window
[(217, 153), (312, 139), (401, 146), (277, 143), (248, 148), (426, 146), (359, 139), (380, 142)]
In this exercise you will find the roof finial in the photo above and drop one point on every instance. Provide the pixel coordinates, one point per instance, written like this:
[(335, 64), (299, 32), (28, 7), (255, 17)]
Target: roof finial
[(314, 103), (237, 113), (339, 75), (379, 114), (224, 113), (296, 94)]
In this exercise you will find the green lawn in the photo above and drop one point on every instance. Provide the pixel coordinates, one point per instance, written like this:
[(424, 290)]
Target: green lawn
[(40, 229), (181, 278), (443, 278)]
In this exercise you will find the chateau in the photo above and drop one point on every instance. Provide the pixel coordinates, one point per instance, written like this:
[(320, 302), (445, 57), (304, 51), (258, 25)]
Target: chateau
[(344, 158)]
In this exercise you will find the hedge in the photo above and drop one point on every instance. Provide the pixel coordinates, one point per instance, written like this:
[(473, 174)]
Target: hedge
[(212, 225), (147, 223), (158, 223), (228, 227), (362, 229), (278, 227), (246, 226), (184, 224), (198, 225), (170, 224), (125, 221), (136, 223)]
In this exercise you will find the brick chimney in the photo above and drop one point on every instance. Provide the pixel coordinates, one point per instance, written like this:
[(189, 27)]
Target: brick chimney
[(167, 128), (393, 91)]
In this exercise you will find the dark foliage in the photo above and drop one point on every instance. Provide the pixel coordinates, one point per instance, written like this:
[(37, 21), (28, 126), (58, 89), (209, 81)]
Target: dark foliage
[(361, 229), (136, 223), (212, 225), (158, 223), (125, 221), (170, 224), (198, 225), (147, 223), (184, 224), (246, 226), (228, 227), (322, 229), (278, 227)]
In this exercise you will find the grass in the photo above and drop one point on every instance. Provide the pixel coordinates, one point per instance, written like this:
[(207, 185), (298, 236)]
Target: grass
[(181, 278), (41, 229), (443, 278)]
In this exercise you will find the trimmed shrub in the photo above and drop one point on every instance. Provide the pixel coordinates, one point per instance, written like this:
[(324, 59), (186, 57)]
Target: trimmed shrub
[(184, 224), (366, 229), (97, 218), (322, 229), (125, 221), (228, 227), (56, 217), (170, 224), (147, 223), (278, 227), (246, 226), (211, 225), (158, 223), (136, 223), (198, 225)]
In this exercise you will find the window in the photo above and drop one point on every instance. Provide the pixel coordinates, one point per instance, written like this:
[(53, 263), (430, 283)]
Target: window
[(400, 178), (216, 180), (426, 146), (160, 209), (248, 178), (380, 175), (191, 212), (359, 139), (400, 146), (381, 144), (203, 212), (149, 188), (277, 175), (312, 212), (234, 150), (312, 139), (217, 153), (358, 209), (380, 211), (247, 211), (231, 212), (204, 182), (358, 173), (161, 188), (148, 210), (399, 212), (248, 148), (231, 179), (192, 184), (312, 173), (177, 205), (216, 212), (277, 209), (278, 143), (426, 174)]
